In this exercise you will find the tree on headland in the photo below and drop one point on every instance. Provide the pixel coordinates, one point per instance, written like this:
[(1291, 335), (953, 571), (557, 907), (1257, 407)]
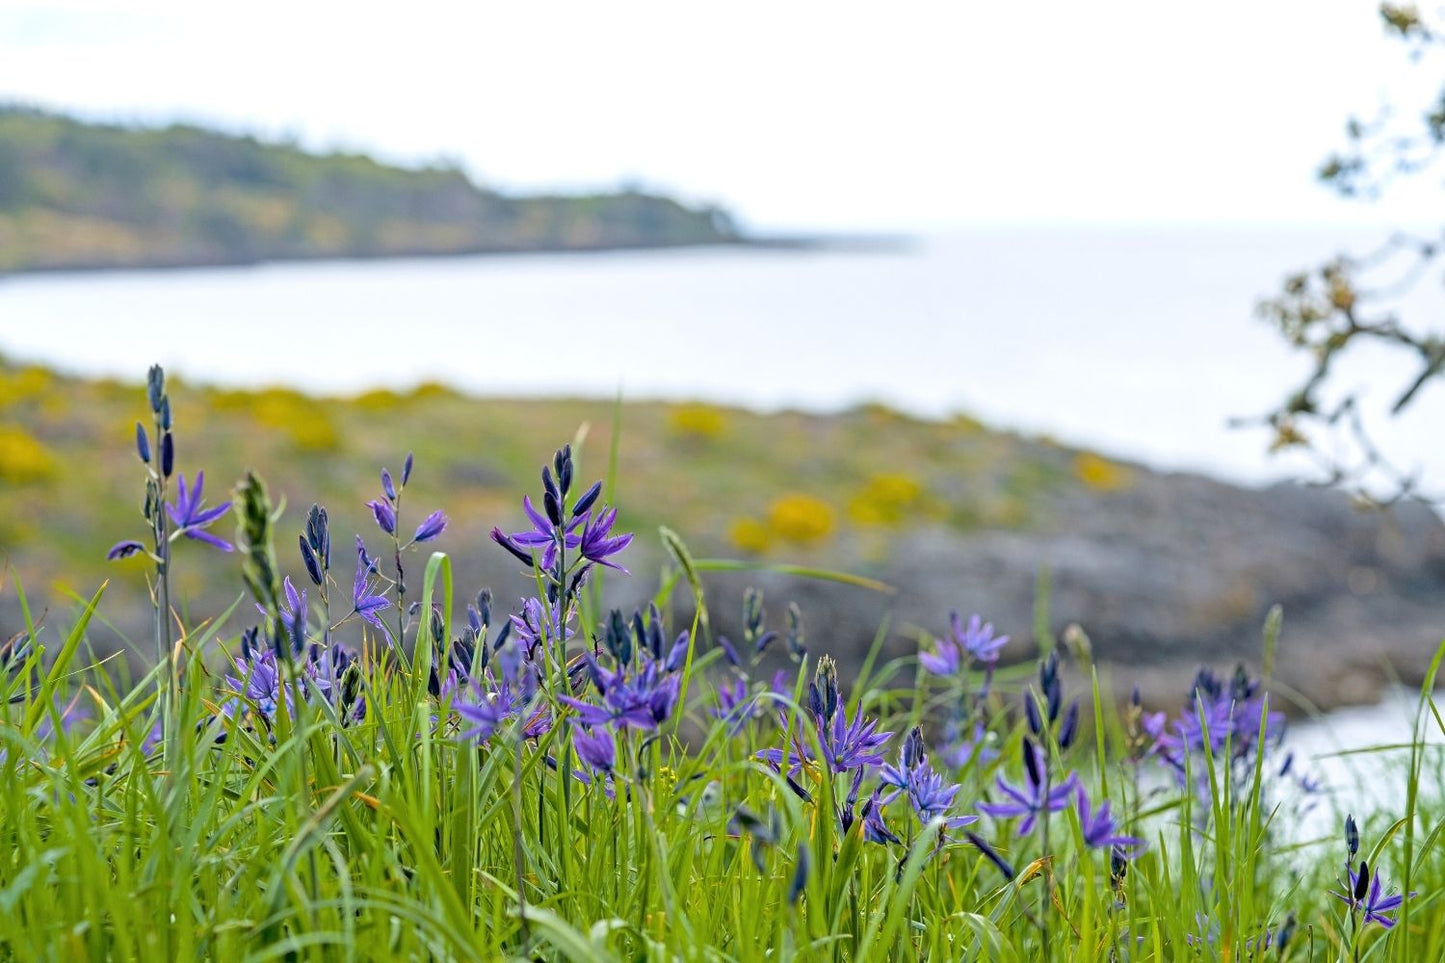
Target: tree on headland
[(1354, 301)]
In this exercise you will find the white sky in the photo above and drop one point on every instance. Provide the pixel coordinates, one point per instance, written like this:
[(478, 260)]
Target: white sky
[(804, 115)]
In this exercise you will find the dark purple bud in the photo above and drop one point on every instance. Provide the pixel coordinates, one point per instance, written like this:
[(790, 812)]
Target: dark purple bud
[(677, 656), (654, 632), (510, 546), (430, 528), (1135, 698), (815, 700), (1031, 764), (318, 536), (764, 640), (1069, 729), (308, 556), (549, 487), (248, 641), (827, 677), (387, 487), (1362, 882), (798, 790), (564, 474), (1055, 694), (168, 454), (991, 854), (124, 550), (913, 749), (165, 414), (385, 516), (617, 638), (1118, 864), (484, 606), (142, 443), (800, 876), (588, 497), (729, 653), (156, 387), (406, 470), (553, 508), (1352, 835), (562, 464), (1031, 712), (1286, 933)]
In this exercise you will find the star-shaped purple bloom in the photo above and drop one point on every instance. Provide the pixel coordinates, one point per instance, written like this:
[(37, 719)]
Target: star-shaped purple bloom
[(597, 542), (976, 640), (191, 519), (1100, 829), (544, 535), (1365, 895), (363, 602), (1030, 801)]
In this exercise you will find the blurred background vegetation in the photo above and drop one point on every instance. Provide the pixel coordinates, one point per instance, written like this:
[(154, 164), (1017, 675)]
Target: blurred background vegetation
[(827, 490)]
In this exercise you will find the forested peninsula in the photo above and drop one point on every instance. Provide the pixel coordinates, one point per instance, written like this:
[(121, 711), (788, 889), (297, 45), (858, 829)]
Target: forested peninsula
[(82, 195)]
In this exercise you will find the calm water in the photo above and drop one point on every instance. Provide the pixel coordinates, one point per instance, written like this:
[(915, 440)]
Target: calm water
[(1140, 342)]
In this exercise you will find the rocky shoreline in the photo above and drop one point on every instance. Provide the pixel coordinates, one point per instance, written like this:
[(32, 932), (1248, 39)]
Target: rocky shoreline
[(1177, 572)]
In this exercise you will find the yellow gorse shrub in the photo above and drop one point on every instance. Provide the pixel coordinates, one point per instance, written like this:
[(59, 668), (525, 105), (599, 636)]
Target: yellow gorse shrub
[(23, 384), (24, 460), (750, 535), (800, 518), (1101, 474), (699, 421), (886, 499)]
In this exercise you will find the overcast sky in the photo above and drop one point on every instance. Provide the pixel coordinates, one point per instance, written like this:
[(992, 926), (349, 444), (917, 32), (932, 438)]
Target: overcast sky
[(890, 115)]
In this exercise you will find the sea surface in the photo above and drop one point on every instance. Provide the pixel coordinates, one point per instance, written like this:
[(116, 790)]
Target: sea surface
[(1142, 342)]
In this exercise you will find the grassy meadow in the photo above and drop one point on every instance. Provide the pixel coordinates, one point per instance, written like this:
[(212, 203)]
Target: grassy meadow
[(331, 748)]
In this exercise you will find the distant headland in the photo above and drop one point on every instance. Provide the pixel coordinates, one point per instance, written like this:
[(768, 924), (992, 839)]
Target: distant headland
[(80, 195)]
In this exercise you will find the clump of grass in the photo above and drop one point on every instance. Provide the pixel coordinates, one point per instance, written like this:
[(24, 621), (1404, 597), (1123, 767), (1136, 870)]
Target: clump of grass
[(380, 769)]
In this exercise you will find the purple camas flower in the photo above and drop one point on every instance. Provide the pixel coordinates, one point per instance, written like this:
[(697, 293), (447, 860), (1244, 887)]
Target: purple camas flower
[(1217, 714), (929, 795), (124, 549), (976, 640), (258, 683), (874, 829), (544, 535), (643, 700), (191, 519), (1030, 801), (1100, 829), (363, 602), (597, 542), (505, 695), (1365, 895), (597, 749), (846, 745), (385, 515), (536, 626), (430, 528), (959, 750)]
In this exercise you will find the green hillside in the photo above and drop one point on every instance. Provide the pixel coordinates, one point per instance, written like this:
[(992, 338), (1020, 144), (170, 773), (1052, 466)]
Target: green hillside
[(84, 195)]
